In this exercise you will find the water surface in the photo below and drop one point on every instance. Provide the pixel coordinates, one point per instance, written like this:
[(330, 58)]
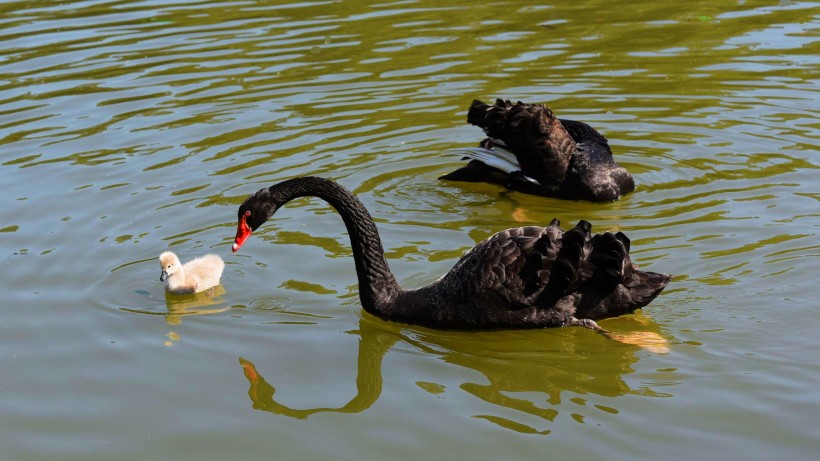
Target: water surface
[(128, 128)]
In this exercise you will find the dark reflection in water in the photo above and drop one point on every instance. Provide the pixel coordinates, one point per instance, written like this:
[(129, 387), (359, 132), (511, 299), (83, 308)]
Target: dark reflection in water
[(563, 365), (373, 346)]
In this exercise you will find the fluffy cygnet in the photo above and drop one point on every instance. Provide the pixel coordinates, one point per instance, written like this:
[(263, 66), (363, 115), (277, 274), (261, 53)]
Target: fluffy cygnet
[(196, 275)]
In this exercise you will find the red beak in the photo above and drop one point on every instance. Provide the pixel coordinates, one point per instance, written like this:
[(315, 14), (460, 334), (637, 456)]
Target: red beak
[(243, 231)]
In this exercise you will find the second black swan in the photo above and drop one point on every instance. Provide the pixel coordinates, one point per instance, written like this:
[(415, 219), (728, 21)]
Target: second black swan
[(531, 150), (526, 277)]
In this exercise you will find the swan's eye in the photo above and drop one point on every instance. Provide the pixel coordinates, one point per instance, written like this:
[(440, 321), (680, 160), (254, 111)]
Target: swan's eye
[(248, 213)]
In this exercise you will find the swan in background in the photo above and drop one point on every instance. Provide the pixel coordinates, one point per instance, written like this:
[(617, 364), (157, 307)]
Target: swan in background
[(530, 150)]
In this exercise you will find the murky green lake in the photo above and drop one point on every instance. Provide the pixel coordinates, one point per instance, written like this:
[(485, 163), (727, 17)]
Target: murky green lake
[(129, 128)]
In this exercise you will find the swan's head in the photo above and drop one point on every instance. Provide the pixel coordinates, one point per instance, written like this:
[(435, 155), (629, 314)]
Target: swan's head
[(169, 263), (257, 209)]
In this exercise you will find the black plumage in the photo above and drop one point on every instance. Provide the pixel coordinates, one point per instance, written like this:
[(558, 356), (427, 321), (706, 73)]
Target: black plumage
[(525, 277), (541, 154)]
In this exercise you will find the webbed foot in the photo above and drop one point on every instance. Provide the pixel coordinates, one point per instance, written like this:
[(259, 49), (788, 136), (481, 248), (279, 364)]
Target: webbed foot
[(586, 323)]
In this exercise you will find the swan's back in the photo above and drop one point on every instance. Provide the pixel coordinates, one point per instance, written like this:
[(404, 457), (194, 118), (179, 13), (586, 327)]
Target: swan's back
[(204, 272), (565, 158), (541, 144), (538, 277)]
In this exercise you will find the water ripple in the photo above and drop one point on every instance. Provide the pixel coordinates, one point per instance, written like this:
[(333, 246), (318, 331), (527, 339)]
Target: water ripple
[(132, 127)]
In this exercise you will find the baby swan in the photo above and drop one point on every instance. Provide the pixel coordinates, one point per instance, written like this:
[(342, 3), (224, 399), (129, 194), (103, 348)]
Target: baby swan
[(196, 275)]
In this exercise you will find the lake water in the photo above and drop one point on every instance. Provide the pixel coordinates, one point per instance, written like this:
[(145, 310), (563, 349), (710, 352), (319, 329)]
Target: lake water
[(129, 128)]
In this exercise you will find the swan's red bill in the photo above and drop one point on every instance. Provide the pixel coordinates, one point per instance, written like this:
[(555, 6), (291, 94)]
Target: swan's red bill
[(243, 231)]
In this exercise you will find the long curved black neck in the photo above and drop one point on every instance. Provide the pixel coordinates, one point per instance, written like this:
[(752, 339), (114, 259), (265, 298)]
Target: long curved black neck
[(378, 288)]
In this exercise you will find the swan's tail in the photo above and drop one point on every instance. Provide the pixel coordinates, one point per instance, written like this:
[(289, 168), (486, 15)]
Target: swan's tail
[(646, 286)]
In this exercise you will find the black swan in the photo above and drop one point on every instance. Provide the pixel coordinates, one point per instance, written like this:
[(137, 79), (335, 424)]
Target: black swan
[(530, 150), (526, 277)]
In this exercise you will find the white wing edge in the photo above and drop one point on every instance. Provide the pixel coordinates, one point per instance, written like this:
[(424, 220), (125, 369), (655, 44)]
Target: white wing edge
[(496, 157)]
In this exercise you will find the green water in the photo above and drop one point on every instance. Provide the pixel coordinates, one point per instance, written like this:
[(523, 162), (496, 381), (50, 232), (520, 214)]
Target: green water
[(128, 128)]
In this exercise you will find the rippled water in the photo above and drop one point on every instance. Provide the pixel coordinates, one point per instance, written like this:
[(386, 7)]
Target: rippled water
[(127, 128)]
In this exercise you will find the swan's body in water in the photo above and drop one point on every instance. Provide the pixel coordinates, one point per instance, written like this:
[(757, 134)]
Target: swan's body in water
[(526, 277), (530, 150), (196, 275)]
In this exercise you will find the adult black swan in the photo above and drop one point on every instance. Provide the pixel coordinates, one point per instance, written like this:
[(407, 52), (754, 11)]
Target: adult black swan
[(526, 277), (530, 150)]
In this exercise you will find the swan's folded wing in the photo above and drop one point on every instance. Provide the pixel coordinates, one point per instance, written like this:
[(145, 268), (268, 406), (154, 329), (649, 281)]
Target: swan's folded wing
[(567, 269), (609, 261), (541, 144), (511, 268)]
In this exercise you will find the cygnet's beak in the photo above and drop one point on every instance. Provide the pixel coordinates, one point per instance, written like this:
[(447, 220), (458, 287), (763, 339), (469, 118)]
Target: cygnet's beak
[(163, 276)]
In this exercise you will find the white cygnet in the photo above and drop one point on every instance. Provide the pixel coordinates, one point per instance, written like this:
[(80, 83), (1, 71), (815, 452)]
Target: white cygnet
[(196, 275)]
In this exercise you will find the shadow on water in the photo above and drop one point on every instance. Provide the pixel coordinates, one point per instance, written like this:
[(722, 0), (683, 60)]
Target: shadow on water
[(536, 373)]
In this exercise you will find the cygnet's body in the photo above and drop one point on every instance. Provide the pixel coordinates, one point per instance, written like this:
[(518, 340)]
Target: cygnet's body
[(196, 275)]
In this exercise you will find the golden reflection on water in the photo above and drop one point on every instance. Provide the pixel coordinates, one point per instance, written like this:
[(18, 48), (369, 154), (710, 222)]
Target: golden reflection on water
[(203, 303), (179, 306), (551, 363)]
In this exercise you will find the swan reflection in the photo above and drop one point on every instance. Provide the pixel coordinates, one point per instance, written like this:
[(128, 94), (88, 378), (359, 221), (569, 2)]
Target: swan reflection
[(372, 348), (535, 372), (178, 306)]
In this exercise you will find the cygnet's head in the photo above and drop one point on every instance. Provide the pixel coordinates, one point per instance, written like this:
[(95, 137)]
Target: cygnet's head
[(169, 263)]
